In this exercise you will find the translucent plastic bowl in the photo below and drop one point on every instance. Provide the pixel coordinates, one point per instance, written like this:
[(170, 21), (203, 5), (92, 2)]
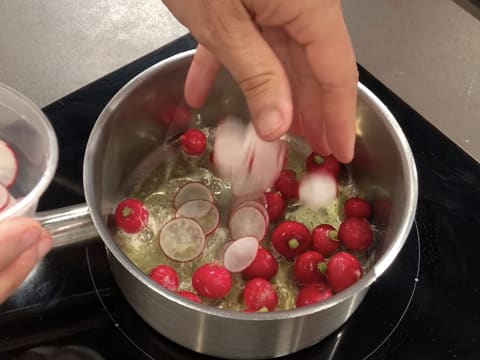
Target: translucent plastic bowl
[(31, 136)]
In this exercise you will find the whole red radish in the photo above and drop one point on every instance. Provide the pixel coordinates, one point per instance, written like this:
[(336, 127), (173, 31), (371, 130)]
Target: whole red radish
[(190, 296), (325, 239), (193, 142), (287, 184), (318, 162), (263, 266), (356, 234), (131, 215), (343, 270), (212, 281), (356, 207), (275, 205), (309, 267), (258, 294), (165, 276), (291, 238), (312, 293), (176, 114)]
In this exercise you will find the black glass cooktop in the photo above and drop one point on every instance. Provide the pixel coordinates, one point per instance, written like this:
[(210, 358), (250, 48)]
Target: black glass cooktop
[(426, 306)]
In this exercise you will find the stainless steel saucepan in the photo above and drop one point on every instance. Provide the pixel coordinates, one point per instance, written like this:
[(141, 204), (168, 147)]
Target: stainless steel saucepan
[(129, 129)]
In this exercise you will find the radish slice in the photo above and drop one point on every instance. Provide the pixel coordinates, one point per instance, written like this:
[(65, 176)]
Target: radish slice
[(256, 205), (230, 149), (203, 212), (260, 198), (8, 165), (247, 221), (4, 197), (182, 239), (317, 190), (240, 254), (192, 191)]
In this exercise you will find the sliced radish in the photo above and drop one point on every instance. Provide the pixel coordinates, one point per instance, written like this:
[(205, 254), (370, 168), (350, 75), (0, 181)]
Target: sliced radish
[(182, 239), (317, 190), (8, 165), (247, 221), (260, 198), (230, 149), (4, 197), (263, 167), (256, 205), (203, 212), (192, 191), (240, 254)]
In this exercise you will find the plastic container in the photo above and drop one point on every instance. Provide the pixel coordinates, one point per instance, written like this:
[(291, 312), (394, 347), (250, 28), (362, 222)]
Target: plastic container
[(29, 133)]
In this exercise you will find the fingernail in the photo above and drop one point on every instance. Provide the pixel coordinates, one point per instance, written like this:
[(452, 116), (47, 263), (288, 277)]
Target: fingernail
[(45, 244), (28, 239), (268, 122)]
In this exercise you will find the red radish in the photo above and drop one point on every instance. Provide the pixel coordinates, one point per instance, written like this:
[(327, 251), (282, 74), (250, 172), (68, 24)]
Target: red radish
[(309, 268), (343, 270), (182, 239), (193, 142), (131, 215), (291, 238), (356, 207), (264, 265), (177, 114), (192, 191), (190, 296), (203, 212), (287, 184), (325, 239), (212, 281), (247, 221), (275, 205), (318, 162), (211, 158), (8, 165), (4, 197), (256, 205), (258, 294), (318, 190), (240, 254), (312, 293), (356, 234), (165, 276)]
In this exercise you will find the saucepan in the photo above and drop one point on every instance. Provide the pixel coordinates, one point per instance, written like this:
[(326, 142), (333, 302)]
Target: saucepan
[(131, 128)]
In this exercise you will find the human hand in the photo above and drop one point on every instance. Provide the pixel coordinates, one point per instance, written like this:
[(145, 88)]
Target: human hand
[(300, 67), (23, 243)]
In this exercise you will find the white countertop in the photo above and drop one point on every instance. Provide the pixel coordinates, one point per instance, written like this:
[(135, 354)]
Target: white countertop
[(427, 52)]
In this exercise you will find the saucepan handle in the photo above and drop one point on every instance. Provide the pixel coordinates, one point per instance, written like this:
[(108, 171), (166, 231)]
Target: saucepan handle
[(70, 225)]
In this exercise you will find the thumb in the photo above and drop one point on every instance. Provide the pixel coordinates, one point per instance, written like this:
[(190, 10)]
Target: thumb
[(257, 70)]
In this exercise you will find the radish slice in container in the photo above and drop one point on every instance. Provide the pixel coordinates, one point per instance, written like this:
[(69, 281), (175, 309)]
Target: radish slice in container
[(4, 197), (256, 205), (182, 239), (260, 198), (8, 165), (192, 191), (317, 190), (240, 254), (203, 212), (247, 221)]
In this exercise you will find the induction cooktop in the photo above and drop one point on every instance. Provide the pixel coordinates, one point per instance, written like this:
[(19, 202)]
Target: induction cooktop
[(426, 306)]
